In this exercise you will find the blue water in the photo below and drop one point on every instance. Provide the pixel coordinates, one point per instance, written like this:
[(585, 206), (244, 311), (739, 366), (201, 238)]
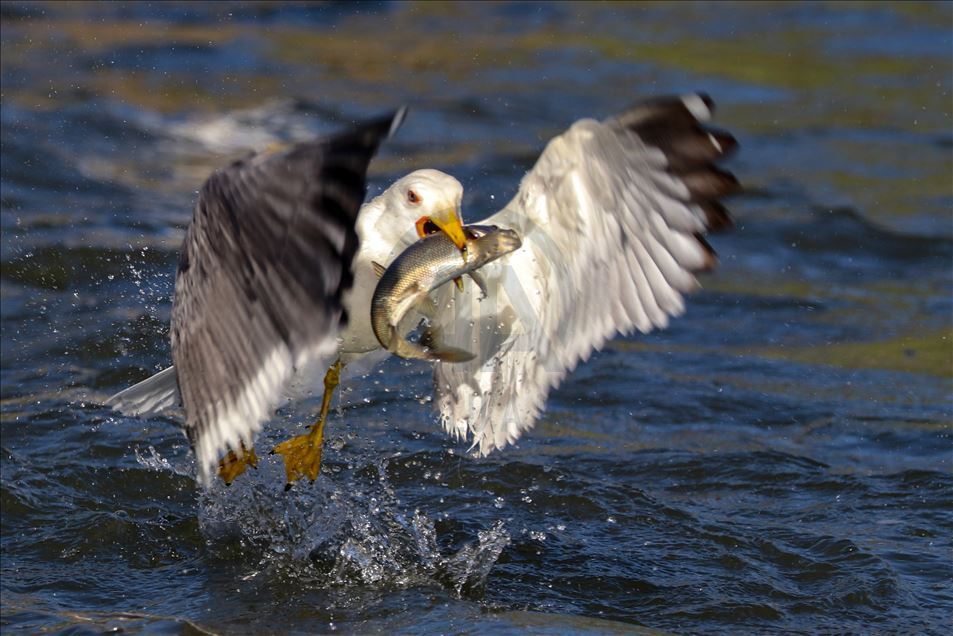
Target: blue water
[(777, 461)]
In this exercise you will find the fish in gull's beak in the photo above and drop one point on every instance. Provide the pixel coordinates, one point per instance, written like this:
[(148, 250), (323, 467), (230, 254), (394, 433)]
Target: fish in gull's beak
[(446, 221)]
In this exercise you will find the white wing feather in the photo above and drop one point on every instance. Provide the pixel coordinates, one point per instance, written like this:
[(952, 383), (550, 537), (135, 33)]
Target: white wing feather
[(152, 396), (609, 246)]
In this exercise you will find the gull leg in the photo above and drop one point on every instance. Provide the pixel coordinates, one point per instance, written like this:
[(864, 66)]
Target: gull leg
[(303, 453), (231, 466)]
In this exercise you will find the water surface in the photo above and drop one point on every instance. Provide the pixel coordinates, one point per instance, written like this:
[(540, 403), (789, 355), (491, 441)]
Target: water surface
[(778, 460)]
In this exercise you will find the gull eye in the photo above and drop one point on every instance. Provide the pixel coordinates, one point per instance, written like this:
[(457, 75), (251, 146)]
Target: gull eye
[(413, 197)]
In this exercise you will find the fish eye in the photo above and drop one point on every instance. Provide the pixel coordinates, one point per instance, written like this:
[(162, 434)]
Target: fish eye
[(413, 197)]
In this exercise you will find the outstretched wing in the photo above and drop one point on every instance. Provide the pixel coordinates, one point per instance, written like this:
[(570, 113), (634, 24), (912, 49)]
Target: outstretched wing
[(262, 270), (612, 217)]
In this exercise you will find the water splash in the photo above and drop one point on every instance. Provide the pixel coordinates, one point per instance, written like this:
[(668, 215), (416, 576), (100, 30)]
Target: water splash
[(469, 568), (154, 461), (348, 529)]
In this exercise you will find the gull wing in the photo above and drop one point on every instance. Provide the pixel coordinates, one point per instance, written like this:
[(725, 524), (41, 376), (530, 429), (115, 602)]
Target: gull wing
[(611, 217), (261, 273)]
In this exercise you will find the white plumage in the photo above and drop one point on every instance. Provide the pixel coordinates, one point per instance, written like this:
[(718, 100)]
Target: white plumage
[(609, 226), (611, 218)]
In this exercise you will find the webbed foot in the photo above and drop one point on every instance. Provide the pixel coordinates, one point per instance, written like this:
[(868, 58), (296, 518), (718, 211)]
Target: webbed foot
[(231, 466), (302, 455)]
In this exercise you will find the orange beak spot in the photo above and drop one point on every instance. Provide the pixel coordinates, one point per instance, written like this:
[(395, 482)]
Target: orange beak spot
[(421, 224), (447, 222)]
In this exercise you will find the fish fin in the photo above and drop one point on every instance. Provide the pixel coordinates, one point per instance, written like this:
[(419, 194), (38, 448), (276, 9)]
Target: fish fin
[(378, 268), (394, 345), (407, 303), (480, 282), (428, 307), (430, 341), (458, 281)]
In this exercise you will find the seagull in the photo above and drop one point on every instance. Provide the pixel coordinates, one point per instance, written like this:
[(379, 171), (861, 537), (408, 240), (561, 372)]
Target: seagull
[(612, 218), (274, 281)]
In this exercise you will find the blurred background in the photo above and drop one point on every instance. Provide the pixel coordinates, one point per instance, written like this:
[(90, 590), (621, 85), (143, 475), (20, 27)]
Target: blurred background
[(778, 460)]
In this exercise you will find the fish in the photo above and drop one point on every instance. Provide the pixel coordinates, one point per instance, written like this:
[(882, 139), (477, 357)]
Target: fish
[(424, 266)]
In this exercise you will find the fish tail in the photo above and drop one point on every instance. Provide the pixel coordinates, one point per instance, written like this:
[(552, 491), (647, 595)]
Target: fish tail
[(409, 350), (450, 354), (436, 350), (439, 353), (404, 348)]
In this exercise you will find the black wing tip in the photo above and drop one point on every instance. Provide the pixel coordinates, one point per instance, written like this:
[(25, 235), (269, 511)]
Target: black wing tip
[(706, 99), (671, 110), (397, 120), (717, 216), (678, 125), (727, 143), (381, 128), (711, 257)]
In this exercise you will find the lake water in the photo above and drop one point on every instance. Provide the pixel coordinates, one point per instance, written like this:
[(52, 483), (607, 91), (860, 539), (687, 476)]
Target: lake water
[(777, 461)]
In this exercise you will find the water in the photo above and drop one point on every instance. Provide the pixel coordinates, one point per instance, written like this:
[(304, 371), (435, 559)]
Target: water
[(779, 460)]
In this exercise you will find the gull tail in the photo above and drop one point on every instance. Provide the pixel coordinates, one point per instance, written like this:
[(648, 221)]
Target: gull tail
[(149, 397)]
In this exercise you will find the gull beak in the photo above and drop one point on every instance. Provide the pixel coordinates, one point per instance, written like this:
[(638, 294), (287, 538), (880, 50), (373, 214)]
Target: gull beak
[(447, 221)]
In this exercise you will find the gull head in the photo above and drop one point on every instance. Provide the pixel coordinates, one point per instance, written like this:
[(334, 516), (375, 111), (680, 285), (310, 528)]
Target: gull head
[(431, 200)]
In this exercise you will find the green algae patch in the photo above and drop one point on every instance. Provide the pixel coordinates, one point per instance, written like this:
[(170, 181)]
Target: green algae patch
[(930, 354), (763, 287)]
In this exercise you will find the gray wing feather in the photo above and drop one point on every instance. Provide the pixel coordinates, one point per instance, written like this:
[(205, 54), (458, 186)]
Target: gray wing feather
[(261, 274)]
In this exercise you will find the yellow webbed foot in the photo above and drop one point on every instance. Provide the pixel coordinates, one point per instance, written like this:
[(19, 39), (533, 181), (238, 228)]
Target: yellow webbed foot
[(302, 455), (231, 466)]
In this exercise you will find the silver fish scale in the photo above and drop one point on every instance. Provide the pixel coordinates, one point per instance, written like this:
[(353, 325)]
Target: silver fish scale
[(428, 264)]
